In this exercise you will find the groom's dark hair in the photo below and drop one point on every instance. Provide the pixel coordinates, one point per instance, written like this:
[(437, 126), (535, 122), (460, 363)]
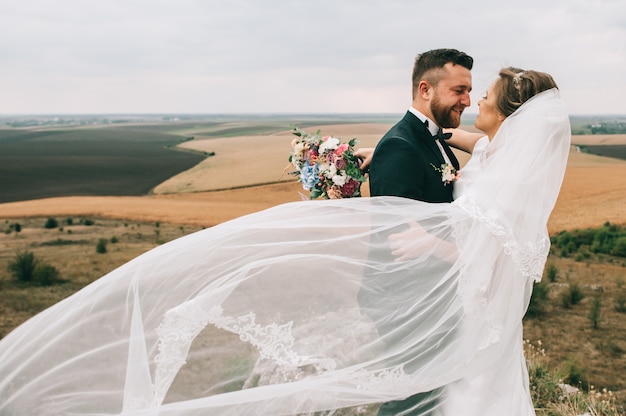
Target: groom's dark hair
[(435, 59)]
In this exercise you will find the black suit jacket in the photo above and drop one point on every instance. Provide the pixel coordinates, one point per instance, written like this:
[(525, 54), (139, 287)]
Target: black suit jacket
[(403, 161), (402, 165)]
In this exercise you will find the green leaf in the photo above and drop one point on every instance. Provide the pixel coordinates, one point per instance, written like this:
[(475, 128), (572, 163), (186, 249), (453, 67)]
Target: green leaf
[(316, 193)]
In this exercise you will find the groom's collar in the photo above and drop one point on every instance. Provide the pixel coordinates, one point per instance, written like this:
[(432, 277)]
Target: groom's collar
[(430, 125)]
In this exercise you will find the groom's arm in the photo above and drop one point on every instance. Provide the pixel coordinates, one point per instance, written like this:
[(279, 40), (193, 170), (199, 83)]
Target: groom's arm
[(396, 170)]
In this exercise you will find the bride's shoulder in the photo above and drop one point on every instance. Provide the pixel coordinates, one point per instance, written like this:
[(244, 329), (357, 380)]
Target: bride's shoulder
[(481, 143)]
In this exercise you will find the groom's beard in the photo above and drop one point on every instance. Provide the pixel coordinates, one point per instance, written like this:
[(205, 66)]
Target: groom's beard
[(446, 117)]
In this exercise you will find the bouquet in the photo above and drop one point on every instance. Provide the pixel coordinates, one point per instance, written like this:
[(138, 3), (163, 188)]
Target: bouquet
[(326, 167)]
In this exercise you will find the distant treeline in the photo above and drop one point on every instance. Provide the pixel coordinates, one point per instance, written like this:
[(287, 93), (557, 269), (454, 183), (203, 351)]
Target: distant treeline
[(582, 125), (617, 151), (609, 240)]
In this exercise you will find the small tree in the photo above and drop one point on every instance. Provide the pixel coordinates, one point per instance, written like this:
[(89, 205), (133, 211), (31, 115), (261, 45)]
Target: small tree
[(51, 223), (101, 247), (594, 312)]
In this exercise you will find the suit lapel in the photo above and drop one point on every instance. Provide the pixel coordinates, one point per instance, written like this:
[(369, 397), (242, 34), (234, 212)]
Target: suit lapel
[(422, 134), (451, 155)]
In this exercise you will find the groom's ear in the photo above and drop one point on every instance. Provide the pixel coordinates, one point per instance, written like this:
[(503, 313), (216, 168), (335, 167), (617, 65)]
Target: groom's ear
[(424, 90)]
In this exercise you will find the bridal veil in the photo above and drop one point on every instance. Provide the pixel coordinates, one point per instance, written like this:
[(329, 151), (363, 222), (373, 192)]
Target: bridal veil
[(303, 308)]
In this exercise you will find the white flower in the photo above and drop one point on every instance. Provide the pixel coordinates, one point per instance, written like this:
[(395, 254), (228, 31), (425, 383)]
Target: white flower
[(299, 147), (328, 169), (448, 173), (339, 180), (330, 144)]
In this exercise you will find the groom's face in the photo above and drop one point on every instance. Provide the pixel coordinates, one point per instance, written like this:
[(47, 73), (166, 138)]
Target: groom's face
[(451, 96)]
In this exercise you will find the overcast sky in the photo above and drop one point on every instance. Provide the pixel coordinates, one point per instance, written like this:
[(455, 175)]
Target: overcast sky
[(293, 56)]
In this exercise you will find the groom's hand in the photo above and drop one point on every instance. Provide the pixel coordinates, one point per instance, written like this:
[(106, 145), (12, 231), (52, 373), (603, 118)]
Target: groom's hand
[(416, 242), (412, 243), (365, 154)]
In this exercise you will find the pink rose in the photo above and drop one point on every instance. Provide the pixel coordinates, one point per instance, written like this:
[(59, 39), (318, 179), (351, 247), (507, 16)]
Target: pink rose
[(341, 148), (341, 163)]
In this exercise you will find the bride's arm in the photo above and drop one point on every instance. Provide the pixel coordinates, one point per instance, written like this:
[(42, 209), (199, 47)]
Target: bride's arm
[(462, 139)]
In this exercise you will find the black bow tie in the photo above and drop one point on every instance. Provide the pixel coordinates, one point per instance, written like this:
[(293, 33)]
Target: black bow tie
[(442, 136)]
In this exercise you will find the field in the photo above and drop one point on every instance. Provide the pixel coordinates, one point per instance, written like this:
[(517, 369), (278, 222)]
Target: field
[(247, 174), (104, 161)]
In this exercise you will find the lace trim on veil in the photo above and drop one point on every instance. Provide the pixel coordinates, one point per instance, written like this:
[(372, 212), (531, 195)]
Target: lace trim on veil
[(181, 326), (529, 257), (177, 330)]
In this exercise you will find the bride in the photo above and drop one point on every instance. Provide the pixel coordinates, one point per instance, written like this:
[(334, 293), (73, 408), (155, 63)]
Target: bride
[(282, 312)]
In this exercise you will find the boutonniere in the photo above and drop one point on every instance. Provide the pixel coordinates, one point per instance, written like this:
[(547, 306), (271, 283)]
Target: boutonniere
[(448, 173)]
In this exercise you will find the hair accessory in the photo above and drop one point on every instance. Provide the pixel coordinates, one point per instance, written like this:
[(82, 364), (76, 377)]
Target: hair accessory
[(517, 79)]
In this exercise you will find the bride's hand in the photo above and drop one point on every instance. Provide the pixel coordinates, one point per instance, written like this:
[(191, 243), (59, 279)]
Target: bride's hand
[(365, 154)]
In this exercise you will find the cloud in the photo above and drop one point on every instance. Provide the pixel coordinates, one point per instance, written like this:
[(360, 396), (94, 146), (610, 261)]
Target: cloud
[(72, 56)]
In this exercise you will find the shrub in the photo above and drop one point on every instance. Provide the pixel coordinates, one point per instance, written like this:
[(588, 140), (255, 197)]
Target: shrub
[(23, 266), (552, 272), (69, 221), (26, 268), (619, 248), (16, 227), (51, 223), (101, 247), (572, 296), (45, 274), (86, 221), (114, 240), (620, 303), (538, 300), (574, 375)]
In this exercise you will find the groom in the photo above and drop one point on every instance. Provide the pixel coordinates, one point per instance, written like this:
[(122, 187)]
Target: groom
[(407, 161)]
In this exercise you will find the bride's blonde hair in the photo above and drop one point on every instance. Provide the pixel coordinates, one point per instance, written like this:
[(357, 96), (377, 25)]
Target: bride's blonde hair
[(515, 86)]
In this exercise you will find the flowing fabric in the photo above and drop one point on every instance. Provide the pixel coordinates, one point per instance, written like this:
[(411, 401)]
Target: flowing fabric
[(310, 308)]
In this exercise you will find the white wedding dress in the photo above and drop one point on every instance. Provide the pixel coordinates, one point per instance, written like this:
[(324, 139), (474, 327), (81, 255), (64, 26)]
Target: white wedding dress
[(303, 308)]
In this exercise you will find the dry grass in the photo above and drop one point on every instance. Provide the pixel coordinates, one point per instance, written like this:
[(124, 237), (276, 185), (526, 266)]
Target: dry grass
[(72, 250), (568, 335)]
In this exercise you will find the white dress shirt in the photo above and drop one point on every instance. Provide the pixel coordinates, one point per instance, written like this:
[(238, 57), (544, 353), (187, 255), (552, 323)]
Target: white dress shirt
[(433, 128)]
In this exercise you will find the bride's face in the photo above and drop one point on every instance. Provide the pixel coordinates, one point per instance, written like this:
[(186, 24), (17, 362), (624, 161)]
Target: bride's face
[(489, 118)]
